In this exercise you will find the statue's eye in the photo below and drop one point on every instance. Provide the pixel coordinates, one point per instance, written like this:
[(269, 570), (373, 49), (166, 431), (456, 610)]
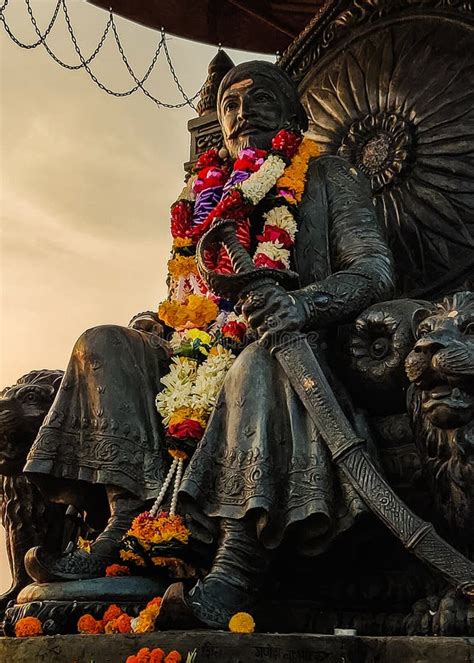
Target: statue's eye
[(380, 348), (263, 97), (30, 397), (230, 106)]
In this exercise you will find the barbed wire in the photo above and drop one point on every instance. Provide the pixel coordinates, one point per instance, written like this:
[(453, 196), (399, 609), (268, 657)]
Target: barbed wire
[(85, 62)]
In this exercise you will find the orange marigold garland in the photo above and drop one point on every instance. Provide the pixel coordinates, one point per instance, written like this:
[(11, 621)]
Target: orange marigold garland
[(28, 627), (294, 177), (217, 190), (159, 538)]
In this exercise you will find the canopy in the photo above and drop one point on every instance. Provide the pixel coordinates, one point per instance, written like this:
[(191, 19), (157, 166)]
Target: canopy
[(265, 26)]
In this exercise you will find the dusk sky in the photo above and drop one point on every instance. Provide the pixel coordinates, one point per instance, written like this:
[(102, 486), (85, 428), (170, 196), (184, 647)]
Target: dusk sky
[(86, 184)]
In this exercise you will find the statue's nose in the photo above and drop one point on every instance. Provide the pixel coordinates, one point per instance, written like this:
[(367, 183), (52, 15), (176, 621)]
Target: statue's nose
[(245, 108), (243, 113)]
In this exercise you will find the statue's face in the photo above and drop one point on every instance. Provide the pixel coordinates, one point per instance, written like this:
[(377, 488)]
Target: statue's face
[(251, 112)]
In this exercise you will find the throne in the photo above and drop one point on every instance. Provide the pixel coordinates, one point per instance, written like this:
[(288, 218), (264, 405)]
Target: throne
[(388, 86)]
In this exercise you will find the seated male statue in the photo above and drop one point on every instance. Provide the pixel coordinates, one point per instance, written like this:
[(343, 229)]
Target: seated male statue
[(261, 473)]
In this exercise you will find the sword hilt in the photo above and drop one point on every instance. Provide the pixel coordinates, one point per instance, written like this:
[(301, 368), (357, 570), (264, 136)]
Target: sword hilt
[(246, 276)]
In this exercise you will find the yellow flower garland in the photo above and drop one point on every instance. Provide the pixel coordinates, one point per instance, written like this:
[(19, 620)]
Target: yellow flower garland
[(196, 311), (182, 267)]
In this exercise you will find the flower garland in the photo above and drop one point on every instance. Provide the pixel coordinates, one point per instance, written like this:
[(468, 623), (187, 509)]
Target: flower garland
[(216, 191), (207, 334), (116, 570)]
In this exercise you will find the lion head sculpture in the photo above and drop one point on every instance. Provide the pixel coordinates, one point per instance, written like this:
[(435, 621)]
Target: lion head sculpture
[(441, 403), (27, 518), (23, 407)]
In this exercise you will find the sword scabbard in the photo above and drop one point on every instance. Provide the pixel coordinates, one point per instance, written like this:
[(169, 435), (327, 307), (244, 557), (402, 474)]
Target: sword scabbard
[(307, 378)]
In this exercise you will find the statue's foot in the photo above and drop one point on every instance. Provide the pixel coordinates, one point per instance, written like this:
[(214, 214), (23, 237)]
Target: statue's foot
[(181, 610), (175, 613), (44, 566)]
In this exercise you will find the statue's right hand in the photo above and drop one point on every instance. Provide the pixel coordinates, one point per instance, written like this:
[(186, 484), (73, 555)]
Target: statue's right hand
[(271, 310)]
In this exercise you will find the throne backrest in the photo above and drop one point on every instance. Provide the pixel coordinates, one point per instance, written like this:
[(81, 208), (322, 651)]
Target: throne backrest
[(389, 85)]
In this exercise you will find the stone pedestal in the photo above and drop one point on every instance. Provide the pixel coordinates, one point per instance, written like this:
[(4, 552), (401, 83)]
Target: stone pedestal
[(59, 605), (221, 647)]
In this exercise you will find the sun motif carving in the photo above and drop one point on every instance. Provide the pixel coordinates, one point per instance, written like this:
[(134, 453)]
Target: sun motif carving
[(379, 145), (410, 130)]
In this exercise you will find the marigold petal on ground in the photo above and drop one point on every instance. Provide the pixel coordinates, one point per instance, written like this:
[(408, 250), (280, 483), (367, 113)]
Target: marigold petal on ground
[(28, 627), (112, 612), (88, 625), (242, 622), (123, 624), (173, 657), (157, 655)]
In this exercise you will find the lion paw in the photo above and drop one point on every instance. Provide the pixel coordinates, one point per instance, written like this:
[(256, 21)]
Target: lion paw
[(448, 614)]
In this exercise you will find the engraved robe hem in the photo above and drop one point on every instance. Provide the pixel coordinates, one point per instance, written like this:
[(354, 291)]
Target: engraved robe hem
[(261, 452), (103, 426)]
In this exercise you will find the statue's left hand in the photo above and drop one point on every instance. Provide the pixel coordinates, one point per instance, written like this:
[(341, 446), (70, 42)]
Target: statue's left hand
[(271, 310)]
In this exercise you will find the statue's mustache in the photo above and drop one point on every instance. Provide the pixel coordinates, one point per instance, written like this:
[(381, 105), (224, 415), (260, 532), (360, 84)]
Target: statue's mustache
[(246, 126)]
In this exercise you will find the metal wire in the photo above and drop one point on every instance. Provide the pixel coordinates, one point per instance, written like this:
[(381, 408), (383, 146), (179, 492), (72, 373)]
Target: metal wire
[(84, 62)]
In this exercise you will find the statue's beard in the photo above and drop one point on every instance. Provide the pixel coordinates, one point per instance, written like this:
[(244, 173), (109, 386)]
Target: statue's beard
[(261, 139), (234, 145)]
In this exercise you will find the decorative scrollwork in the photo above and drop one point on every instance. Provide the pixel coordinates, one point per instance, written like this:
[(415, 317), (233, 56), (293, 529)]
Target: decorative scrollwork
[(379, 145), (337, 22)]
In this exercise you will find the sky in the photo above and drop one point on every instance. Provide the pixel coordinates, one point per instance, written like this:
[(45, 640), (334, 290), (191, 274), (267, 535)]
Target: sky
[(86, 181)]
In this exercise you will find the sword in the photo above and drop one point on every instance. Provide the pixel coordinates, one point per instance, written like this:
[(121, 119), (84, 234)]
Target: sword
[(348, 451)]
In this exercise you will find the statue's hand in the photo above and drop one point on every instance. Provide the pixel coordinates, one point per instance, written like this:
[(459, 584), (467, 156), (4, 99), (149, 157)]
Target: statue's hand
[(271, 310)]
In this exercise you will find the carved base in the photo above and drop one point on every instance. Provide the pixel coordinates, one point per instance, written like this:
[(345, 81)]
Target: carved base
[(232, 648), (59, 605)]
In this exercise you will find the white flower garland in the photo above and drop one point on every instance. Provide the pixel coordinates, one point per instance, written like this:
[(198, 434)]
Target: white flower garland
[(189, 384), (178, 383), (256, 187), (281, 217), (195, 385), (209, 379)]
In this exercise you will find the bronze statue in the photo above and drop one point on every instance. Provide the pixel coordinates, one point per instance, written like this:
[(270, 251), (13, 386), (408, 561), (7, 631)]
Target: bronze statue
[(261, 472), (263, 477), (28, 519)]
